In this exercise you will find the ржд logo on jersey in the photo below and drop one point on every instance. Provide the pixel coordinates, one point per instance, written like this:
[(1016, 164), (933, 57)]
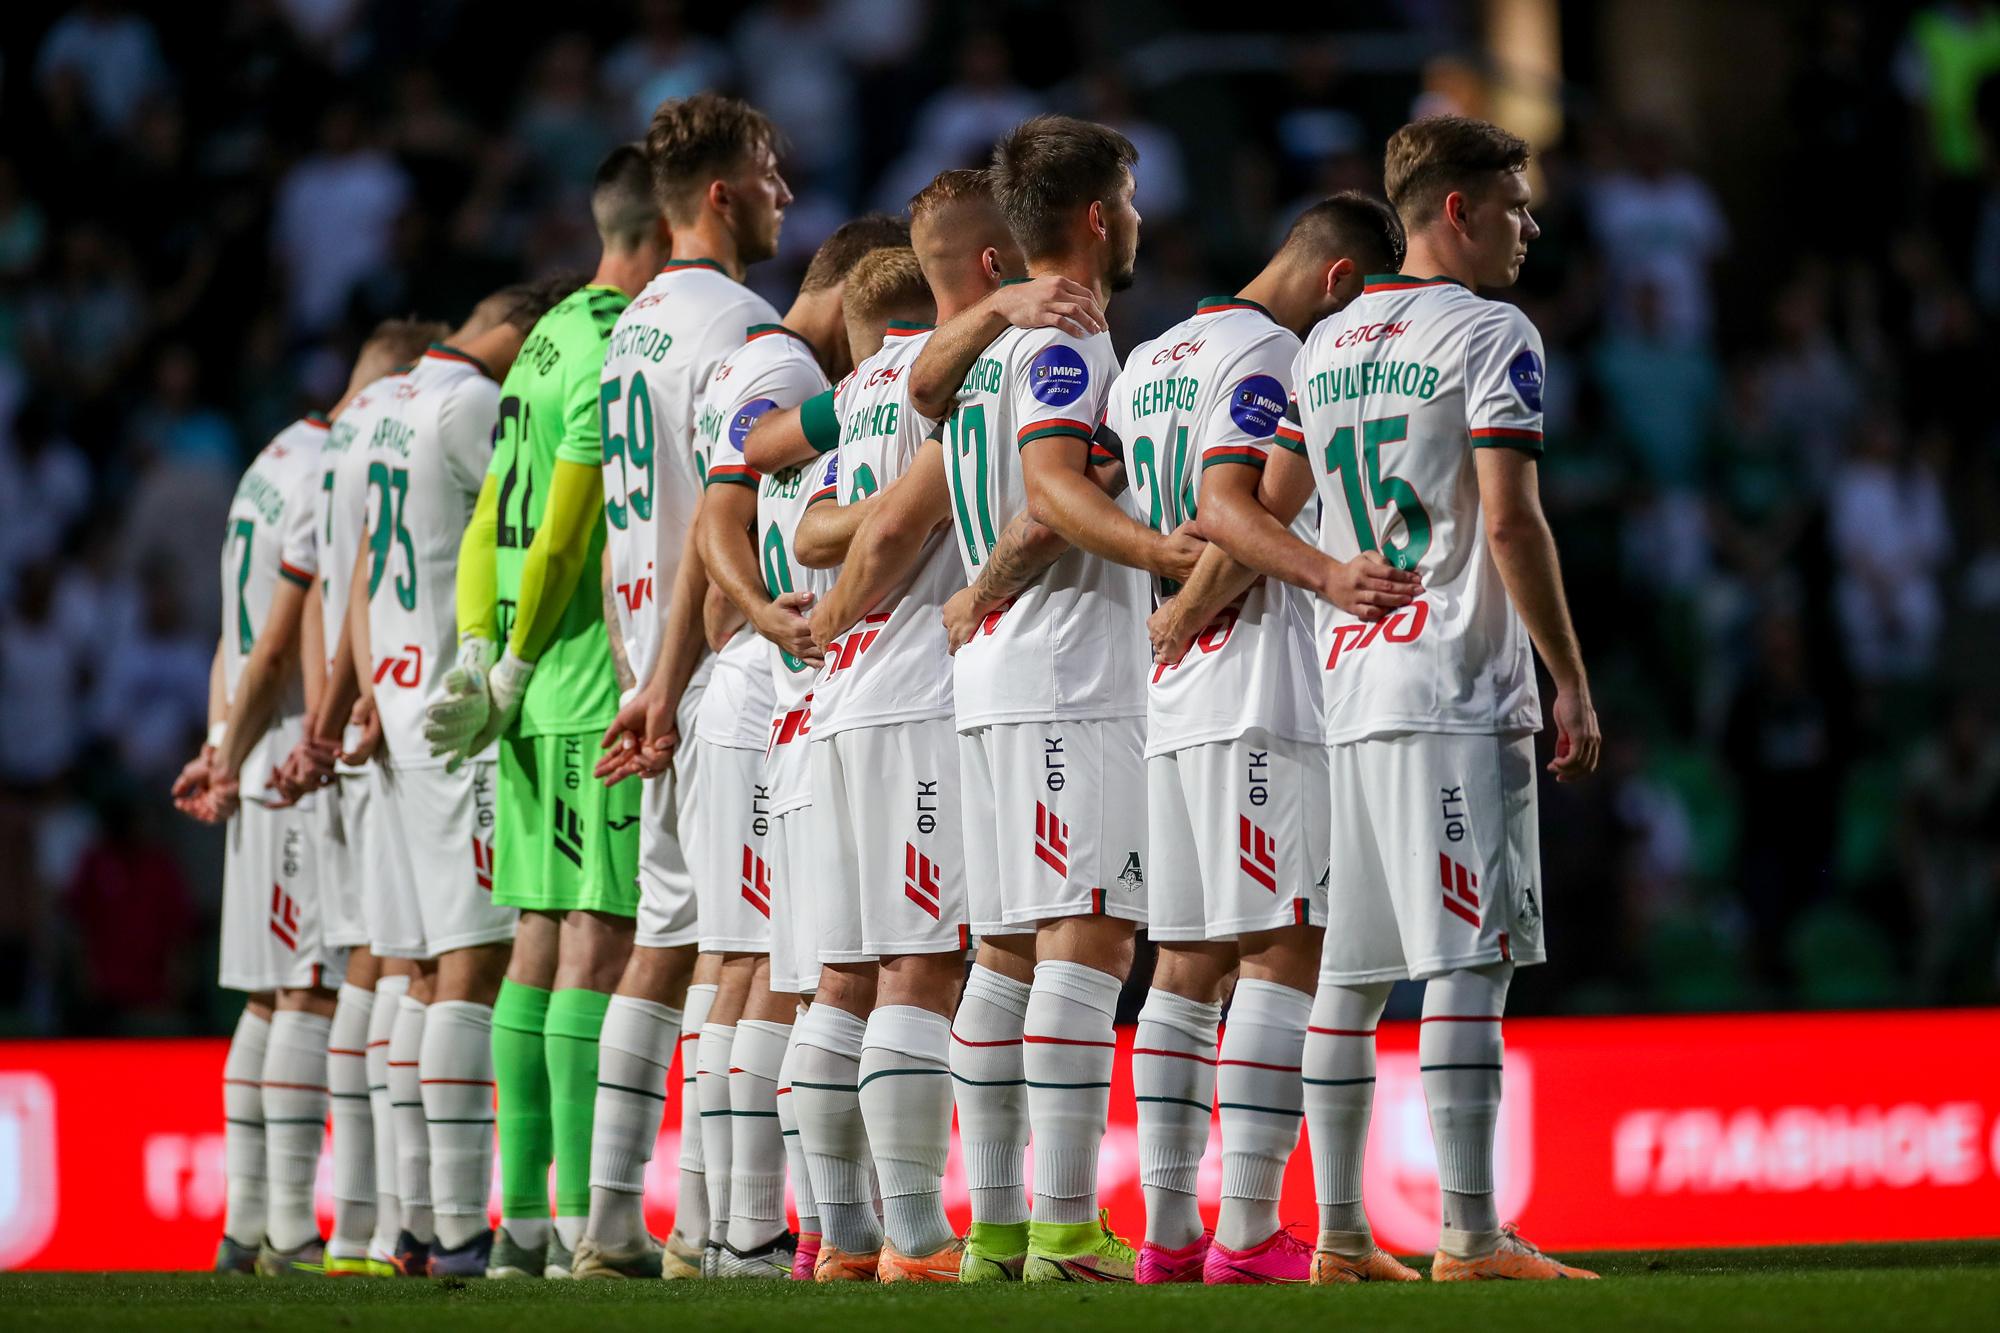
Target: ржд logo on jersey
[(405, 668), (1402, 627), (1058, 376)]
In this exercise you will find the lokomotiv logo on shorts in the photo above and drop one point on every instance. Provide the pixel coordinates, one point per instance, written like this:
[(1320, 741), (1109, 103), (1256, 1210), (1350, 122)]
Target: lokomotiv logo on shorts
[(27, 1165)]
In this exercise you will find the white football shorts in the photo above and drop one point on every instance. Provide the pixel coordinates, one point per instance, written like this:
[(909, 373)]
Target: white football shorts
[(666, 890), (728, 816), (1055, 821), (1439, 863), (798, 887), (890, 842), (273, 931), (1235, 837), (439, 831), (339, 866)]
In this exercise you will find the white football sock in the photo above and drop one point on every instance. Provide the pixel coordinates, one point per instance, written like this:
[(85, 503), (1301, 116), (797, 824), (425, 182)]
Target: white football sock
[(353, 1126), (1338, 1071), (1173, 1080), (1459, 1052), (406, 1105), (389, 992), (635, 1051), (691, 1200), (1258, 1090), (243, 1150), (294, 1124), (795, 1151), (1068, 1051), (457, 1068), (905, 1094), (756, 1144), (826, 1076), (992, 1093), (712, 1083)]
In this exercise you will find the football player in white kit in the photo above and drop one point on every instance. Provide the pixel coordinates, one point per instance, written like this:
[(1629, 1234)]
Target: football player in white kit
[(873, 1064), (1236, 770), (1419, 410), (715, 172), (1049, 685), (763, 673), (426, 459), (275, 912)]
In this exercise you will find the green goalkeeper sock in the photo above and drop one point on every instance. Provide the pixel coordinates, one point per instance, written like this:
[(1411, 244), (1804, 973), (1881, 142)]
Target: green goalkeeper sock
[(521, 1076), (570, 1035)]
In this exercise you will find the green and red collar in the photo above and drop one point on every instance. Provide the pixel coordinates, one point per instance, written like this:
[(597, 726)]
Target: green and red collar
[(673, 264), (446, 352), (1403, 282), (317, 418), (904, 328), (1209, 305), (766, 330)]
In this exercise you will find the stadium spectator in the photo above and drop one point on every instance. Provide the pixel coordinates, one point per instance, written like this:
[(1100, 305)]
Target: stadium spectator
[(1891, 536), (1950, 838), (1659, 227), (958, 126), (41, 727), (332, 220), (661, 60), (112, 52)]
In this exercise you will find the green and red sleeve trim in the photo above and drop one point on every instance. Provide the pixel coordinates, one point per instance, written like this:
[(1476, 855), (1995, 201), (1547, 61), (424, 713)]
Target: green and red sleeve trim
[(446, 352), (294, 574), (1247, 457), (1209, 305), (828, 492), (732, 474), (1289, 436), (673, 264), (1507, 434), (317, 418), (1052, 426), (1402, 282), (820, 422)]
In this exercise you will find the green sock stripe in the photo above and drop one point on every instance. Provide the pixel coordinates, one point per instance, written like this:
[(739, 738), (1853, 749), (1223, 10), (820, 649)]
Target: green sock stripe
[(1337, 1082), (826, 1087), (1176, 1101), (1267, 1110), (887, 1073)]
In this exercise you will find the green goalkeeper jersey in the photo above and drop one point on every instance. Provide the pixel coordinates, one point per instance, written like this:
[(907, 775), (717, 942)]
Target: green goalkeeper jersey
[(549, 400)]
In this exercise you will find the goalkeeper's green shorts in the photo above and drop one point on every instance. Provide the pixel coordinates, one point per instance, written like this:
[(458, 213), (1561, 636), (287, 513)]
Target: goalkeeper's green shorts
[(563, 841)]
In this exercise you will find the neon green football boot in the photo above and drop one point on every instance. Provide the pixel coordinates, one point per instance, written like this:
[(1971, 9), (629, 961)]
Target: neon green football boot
[(1078, 1252), (994, 1252)]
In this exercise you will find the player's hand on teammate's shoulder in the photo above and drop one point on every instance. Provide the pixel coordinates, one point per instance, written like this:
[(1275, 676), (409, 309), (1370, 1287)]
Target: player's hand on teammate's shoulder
[(1050, 301), (1577, 737), (1369, 587)]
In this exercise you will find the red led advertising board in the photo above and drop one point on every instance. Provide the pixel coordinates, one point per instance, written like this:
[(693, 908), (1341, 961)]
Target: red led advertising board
[(1615, 1133)]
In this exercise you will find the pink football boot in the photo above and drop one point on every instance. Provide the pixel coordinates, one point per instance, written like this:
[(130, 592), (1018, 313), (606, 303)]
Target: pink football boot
[(1282, 1258), (1159, 1264)]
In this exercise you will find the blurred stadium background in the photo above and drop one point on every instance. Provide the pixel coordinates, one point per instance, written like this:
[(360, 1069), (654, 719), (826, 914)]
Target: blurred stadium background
[(1769, 281)]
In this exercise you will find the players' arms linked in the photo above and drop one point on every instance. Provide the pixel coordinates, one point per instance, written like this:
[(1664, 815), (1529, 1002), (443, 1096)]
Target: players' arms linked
[(728, 513), (1247, 515), (1047, 302), (642, 739), (1525, 551), (826, 530), (887, 543), (1218, 580), (1062, 495), (779, 440), (1024, 550)]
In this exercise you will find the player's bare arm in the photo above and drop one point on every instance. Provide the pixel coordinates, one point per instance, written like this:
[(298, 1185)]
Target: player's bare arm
[(728, 512), (1050, 301), (777, 441), (1525, 550), (827, 529), (886, 544), (1063, 497), (192, 789), (1248, 515), (1218, 580), (1024, 550), (642, 739), (361, 654), (274, 656)]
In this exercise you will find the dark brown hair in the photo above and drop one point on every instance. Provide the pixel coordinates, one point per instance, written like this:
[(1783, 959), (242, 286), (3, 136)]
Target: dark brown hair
[(404, 340), (1349, 225), (1428, 159), (694, 141), (621, 197), (1047, 168)]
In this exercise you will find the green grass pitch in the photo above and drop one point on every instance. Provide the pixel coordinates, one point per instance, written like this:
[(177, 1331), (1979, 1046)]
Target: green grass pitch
[(1954, 1286)]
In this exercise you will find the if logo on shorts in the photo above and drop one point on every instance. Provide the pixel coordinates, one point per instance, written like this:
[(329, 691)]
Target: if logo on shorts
[(1051, 840), (920, 880), (1259, 858), (284, 917), (569, 833), (1460, 898), (756, 881), (482, 864)]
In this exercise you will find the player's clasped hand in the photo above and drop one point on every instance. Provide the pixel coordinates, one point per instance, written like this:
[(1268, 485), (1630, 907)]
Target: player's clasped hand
[(641, 740), (454, 720), (1368, 587), (784, 623)]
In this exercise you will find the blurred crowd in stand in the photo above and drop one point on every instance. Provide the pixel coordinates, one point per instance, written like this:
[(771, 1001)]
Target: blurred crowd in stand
[(1776, 490)]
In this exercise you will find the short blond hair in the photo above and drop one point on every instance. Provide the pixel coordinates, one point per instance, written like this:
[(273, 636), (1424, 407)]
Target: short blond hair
[(887, 281), (951, 187)]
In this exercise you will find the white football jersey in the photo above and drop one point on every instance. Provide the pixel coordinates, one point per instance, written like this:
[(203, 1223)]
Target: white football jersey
[(662, 351), (1212, 389), (279, 482), (329, 545), (1072, 644), (1392, 395), (774, 368), (782, 500), (425, 460), (894, 665)]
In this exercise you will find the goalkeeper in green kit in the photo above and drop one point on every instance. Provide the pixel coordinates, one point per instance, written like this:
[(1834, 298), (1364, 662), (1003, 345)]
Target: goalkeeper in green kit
[(540, 670)]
